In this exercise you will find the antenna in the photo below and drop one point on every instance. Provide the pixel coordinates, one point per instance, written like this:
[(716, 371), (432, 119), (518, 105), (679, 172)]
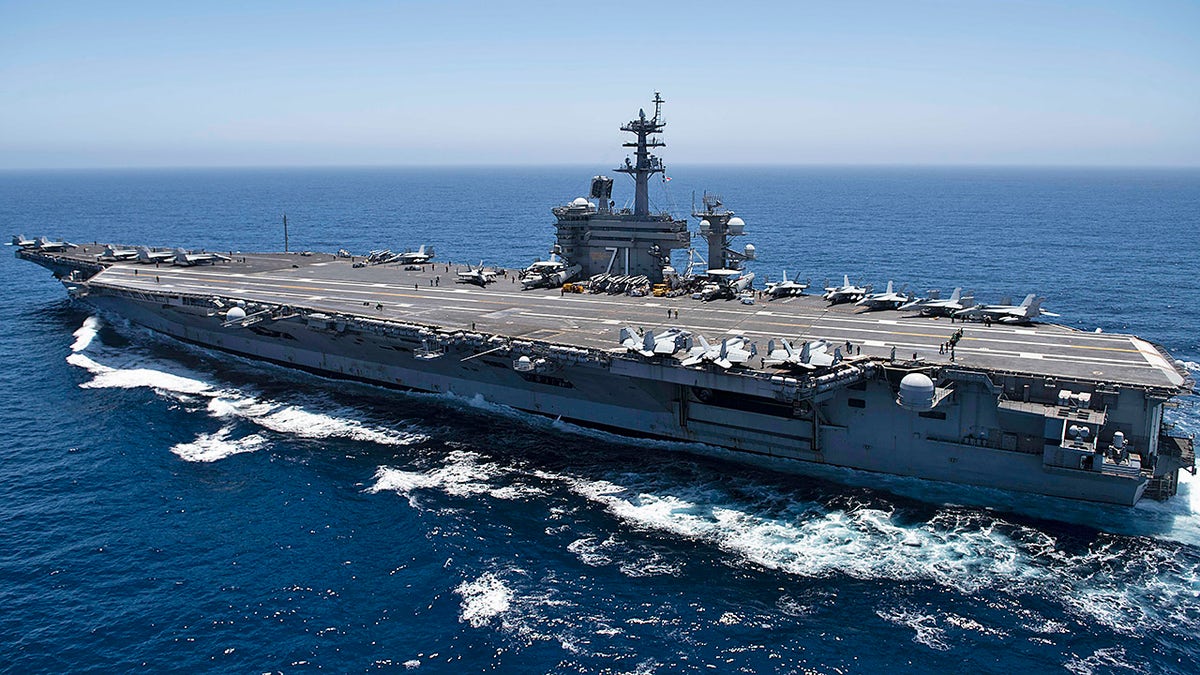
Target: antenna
[(646, 164), (285, 234)]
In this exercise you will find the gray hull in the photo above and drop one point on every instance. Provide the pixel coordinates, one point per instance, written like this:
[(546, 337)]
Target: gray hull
[(871, 433)]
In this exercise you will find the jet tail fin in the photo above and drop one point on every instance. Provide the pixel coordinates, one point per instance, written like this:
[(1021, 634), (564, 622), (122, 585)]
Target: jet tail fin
[(1029, 300)]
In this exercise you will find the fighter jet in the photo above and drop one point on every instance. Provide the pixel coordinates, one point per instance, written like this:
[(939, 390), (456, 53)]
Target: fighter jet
[(145, 255), (477, 276), (21, 241), (837, 295), (44, 244), (418, 257), (787, 287), (648, 344), (184, 258), (111, 253), (1027, 311), (812, 355), (888, 299), (934, 305), (732, 351)]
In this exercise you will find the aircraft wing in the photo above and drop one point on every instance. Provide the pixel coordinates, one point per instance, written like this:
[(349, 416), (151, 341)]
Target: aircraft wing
[(666, 344)]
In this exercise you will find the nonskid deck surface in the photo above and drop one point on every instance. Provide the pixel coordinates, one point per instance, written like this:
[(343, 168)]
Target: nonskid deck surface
[(325, 283)]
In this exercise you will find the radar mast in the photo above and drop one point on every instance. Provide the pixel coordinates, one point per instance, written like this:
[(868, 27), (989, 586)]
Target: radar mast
[(718, 227), (647, 164)]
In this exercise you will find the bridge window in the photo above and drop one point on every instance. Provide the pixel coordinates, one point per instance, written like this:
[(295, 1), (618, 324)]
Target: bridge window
[(856, 403)]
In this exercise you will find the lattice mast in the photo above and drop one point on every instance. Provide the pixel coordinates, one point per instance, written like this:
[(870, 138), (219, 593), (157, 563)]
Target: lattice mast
[(647, 164)]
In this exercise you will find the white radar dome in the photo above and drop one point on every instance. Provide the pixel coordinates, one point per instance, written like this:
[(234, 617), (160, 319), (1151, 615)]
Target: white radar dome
[(580, 201), (750, 251), (916, 392), (736, 225), (235, 314)]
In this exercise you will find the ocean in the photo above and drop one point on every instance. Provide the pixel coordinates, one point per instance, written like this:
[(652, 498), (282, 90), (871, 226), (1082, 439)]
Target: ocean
[(165, 508)]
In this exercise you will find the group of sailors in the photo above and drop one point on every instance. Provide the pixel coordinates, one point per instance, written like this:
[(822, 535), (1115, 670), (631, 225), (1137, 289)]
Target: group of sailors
[(948, 346)]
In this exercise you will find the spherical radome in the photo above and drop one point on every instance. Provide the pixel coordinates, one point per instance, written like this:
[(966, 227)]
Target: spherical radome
[(916, 392)]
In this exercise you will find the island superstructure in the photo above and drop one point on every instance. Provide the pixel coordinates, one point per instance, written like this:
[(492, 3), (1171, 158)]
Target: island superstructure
[(602, 239), (1024, 406)]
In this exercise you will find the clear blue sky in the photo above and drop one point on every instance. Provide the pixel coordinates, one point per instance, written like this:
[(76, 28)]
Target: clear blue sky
[(378, 83)]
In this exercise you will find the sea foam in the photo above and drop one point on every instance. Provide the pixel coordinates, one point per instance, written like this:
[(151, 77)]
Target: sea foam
[(483, 599), (129, 369), (217, 446)]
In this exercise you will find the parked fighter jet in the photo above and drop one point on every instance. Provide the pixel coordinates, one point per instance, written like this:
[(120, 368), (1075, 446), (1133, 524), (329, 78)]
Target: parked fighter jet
[(1028, 310), (111, 253), (145, 255), (648, 344), (182, 257), (837, 295), (418, 257), (934, 305), (20, 240), (888, 299), (787, 287), (812, 355), (732, 351), (476, 275), (44, 244)]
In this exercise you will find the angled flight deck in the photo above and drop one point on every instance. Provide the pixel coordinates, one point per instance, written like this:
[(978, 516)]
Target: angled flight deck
[(329, 284)]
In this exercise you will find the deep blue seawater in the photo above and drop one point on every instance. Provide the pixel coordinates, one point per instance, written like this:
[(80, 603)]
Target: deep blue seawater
[(169, 509)]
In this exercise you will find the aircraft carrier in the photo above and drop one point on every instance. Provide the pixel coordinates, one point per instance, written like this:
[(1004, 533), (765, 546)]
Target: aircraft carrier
[(618, 339)]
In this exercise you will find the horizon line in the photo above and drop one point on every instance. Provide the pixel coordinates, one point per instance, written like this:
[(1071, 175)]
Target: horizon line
[(501, 165)]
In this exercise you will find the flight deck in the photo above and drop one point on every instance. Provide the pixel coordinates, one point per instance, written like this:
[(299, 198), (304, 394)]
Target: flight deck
[(429, 295)]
